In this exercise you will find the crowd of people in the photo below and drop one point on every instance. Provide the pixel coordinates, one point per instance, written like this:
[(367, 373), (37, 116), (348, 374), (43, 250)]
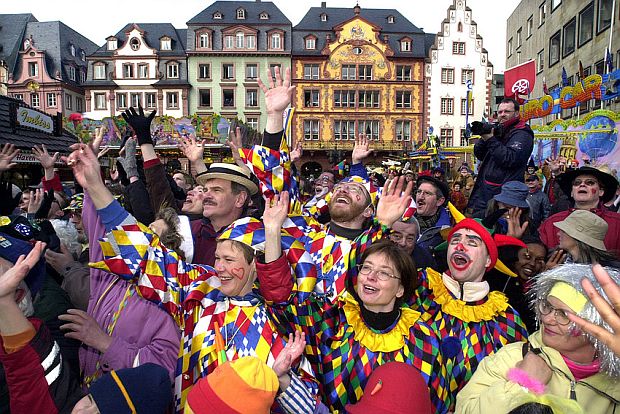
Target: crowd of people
[(244, 288)]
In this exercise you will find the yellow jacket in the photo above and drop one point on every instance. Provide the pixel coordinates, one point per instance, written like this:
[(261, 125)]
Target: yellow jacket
[(490, 392)]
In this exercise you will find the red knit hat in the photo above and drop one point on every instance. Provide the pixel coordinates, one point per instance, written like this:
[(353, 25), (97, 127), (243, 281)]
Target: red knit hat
[(492, 242), (394, 388)]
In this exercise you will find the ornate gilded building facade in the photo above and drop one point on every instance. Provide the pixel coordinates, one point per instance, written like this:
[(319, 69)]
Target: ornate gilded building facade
[(357, 71)]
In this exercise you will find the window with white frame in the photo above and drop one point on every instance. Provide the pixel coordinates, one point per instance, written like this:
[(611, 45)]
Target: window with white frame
[(276, 41), (72, 48), (542, 13), (310, 43), (19, 96), (251, 98), (370, 128), (82, 76), (311, 71), (136, 99), (344, 99), (99, 71), (240, 13), (151, 100), (447, 106), (121, 100), (403, 99), (390, 19), (79, 104), (458, 48), (172, 70), (405, 45), (447, 75), (519, 37), (229, 41), (555, 4), (251, 71), (34, 100), (128, 70), (217, 16), (100, 101), (250, 41), (272, 69), (252, 123), (554, 48), (467, 74), (172, 100), (204, 97), (365, 72), (344, 130), (464, 106), (239, 40), (540, 61), (529, 26), (264, 16), (203, 41), (509, 47), (323, 17), (112, 44), (71, 73), (33, 69), (368, 99), (403, 72), (349, 72), (204, 71), (143, 70), (228, 71), (69, 102), (51, 99), (311, 98), (446, 137), (166, 44), (403, 130), (311, 129)]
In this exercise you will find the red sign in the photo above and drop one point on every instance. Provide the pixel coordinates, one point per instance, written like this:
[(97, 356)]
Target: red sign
[(520, 80)]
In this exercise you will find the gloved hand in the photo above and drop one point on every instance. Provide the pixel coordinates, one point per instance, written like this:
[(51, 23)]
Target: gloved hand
[(9, 203), (46, 205), (140, 124), (129, 160)]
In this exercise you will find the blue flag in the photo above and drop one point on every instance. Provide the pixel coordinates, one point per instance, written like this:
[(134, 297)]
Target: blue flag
[(609, 60), (564, 77)]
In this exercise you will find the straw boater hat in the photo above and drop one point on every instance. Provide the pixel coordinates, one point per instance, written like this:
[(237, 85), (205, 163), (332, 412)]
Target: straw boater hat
[(230, 172)]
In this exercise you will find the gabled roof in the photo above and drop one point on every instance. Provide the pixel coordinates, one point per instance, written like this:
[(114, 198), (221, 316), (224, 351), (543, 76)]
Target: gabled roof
[(55, 39), (228, 9), (152, 33), (337, 15), (25, 139), (12, 29)]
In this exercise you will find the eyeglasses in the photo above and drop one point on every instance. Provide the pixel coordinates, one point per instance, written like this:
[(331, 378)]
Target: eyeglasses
[(426, 193), (350, 188), (589, 182), (365, 270), (325, 180), (545, 308)]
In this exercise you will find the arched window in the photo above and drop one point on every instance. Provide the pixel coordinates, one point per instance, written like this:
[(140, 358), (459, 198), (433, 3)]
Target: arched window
[(276, 41), (240, 13), (204, 40), (459, 27), (72, 50), (134, 43)]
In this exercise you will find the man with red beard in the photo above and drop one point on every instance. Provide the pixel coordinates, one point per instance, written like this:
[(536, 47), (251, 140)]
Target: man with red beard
[(471, 320)]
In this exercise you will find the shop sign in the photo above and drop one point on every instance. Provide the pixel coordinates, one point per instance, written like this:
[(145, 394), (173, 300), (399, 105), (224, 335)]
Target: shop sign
[(30, 118)]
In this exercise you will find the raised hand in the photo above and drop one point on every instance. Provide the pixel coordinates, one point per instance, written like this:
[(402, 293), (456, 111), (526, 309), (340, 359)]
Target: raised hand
[(59, 261), (276, 211), (557, 258), (234, 143), (278, 94), (9, 281), (515, 228), (609, 309), (140, 124), (292, 350), (361, 150), (394, 200), (47, 161), (7, 154), (84, 328), (85, 165), (46, 205), (35, 200), (297, 152), (192, 149)]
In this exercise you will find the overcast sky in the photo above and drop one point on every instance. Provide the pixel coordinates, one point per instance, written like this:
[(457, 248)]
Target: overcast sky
[(98, 20)]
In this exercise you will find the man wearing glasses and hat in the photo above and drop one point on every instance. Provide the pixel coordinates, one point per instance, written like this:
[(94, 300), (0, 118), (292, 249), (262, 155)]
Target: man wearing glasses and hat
[(589, 189)]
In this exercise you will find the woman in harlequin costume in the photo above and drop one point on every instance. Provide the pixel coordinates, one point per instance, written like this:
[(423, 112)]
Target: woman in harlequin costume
[(219, 313), (470, 320), (363, 328)]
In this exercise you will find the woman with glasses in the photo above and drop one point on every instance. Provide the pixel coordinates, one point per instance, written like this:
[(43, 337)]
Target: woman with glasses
[(559, 360), (363, 328)]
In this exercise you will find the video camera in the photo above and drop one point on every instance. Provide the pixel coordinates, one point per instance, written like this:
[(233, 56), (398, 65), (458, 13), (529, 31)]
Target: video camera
[(483, 127)]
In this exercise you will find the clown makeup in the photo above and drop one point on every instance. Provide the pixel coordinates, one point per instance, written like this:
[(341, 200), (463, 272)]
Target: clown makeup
[(586, 191), (235, 273), (468, 257)]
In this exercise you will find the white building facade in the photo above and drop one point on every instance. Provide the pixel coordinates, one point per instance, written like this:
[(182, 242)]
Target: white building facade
[(456, 59)]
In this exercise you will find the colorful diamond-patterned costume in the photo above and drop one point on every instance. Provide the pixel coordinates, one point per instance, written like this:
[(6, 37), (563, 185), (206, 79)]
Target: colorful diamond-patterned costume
[(333, 255), (189, 294), (468, 331)]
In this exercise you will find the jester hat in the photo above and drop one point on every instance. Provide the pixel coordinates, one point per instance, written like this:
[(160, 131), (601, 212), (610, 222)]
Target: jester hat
[(77, 202), (367, 184), (490, 240)]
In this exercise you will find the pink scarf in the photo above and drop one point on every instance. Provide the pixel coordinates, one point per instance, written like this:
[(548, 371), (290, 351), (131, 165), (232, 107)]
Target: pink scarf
[(580, 371)]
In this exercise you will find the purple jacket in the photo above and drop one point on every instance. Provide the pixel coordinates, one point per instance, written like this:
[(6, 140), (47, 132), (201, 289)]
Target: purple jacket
[(143, 332)]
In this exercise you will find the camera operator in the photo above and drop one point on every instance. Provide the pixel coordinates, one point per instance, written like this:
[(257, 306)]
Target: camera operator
[(504, 152)]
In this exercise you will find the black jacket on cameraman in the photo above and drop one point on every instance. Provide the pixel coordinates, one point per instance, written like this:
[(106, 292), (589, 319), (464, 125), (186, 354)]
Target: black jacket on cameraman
[(504, 158)]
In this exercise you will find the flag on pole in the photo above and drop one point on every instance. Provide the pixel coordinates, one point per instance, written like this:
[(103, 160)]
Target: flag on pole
[(609, 60), (564, 77), (339, 168), (520, 80)]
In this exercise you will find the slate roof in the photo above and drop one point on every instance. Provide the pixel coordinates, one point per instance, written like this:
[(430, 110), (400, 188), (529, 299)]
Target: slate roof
[(152, 33), (311, 24), (56, 38), (12, 29), (253, 9), (24, 138)]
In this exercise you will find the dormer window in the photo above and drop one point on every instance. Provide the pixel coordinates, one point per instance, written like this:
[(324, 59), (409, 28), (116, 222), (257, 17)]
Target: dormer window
[(217, 16), (390, 19), (72, 48), (204, 41), (26, 44), (134, 43), (275, 41), (323, 17), (166, 43), (405, 45), (112, 44), (240, 13), (264, 16), (172, 70), (310, 42), (82, 55)]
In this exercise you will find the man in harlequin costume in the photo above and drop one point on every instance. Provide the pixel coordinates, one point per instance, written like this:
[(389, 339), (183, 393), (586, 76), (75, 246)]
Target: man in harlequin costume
[(354, 222), (470, 320), (220, 314)]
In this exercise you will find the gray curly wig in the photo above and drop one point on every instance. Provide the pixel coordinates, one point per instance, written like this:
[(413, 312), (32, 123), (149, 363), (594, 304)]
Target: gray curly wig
[(572, 274)]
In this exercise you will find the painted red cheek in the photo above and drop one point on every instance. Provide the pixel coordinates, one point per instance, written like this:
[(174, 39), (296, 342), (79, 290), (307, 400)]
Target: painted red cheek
[(594, 191), (358, 198), (237, 272)]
